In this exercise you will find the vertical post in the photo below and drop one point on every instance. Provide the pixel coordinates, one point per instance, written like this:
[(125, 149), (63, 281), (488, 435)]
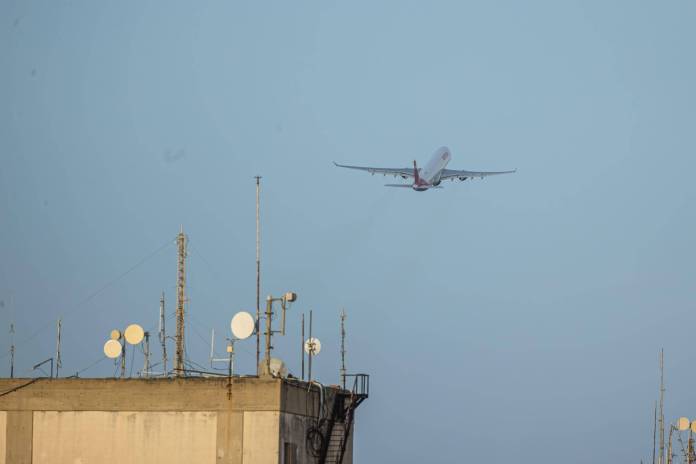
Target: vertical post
[(146, 367), (654, 430), (12, 350), (343, 349), (269, 317), (258, 275), (302, 346), (311, 347), (163, 337), (180, 299), (669, 446), (661, 459), (230, 352), (123, 356), (59, 363)]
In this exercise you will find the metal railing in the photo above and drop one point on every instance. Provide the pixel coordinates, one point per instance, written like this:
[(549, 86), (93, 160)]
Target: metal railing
[(361, 384)]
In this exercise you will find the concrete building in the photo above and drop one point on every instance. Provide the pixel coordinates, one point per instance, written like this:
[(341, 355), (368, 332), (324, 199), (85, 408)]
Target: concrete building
[(237, 420)]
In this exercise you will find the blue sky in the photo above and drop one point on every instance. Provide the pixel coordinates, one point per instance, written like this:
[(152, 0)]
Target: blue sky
[(515, 318)]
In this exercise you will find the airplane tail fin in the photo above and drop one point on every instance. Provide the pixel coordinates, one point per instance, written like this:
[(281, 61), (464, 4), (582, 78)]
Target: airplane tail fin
[(416, 176)]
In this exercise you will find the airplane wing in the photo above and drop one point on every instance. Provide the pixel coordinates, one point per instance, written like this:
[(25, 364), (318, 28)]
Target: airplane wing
[(404, 172), (462, 175)]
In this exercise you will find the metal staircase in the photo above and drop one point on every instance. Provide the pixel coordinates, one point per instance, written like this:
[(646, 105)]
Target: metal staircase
[(335, 431)]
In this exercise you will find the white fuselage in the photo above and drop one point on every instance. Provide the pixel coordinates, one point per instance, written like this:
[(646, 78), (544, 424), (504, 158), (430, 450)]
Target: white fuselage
[(429, 175)]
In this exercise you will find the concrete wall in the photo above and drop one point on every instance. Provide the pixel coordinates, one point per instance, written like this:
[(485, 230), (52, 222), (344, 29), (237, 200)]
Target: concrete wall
[(107, 437), (85, 421), (3, 433)]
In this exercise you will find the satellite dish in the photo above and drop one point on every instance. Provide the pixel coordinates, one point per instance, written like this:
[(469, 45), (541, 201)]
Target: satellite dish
[(115, 334), (134, 334), (112, 349), (312, 346), (278, 368), (242, 325), (683, 424)]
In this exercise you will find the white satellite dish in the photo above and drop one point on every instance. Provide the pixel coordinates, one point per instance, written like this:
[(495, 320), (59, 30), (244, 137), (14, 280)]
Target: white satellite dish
[(115, 334), (312, 346), (693, 426), (134, 334), (278, 368), (683, 424), (112, 349), (242, 325)]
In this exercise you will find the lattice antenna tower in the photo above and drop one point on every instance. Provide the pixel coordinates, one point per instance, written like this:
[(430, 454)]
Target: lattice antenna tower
[(180, 301), (163, 336), (343, 349)]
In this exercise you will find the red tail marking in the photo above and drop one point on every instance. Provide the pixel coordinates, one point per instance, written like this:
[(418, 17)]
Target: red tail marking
[(416, 176)]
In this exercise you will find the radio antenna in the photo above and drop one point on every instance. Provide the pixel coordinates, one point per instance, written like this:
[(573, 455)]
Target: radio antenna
[(343, 349), (59, 363), (163, 336), (258, 274), (302, 341), (146, 367), (661, 458), (180, 299), (12, 350)]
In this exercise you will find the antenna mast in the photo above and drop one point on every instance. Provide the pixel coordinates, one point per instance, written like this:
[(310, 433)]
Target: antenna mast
[(302, 341), (258, 274), (654, 430), (661, 459), (343, 349), (180, 299), (309, 375), (59, 363), (146, 368), (12, 351), (163, 337)]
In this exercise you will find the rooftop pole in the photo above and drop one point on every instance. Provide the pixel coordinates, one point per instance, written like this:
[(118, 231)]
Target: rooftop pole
[(343, 349), (661, 459), (59, 362), (163, 336), (258, 275), (12, 350), (180, 299)]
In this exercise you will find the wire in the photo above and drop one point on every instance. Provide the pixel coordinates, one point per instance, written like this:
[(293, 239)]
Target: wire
[(91, 365), (7, 392), (92, 295)]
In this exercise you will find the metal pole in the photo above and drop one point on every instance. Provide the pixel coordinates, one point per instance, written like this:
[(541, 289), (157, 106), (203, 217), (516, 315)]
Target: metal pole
[(231, 354), (12, 351), (258, 275), (59, 363), (343, 349), (180, 299), (123, 357), (302, 346), (147, 355), (311, 346), (269, 316), (661, 459), (654, 430), (163, 337)]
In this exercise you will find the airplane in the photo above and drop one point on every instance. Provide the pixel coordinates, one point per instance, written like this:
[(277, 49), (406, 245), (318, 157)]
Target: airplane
[(429, 177)]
